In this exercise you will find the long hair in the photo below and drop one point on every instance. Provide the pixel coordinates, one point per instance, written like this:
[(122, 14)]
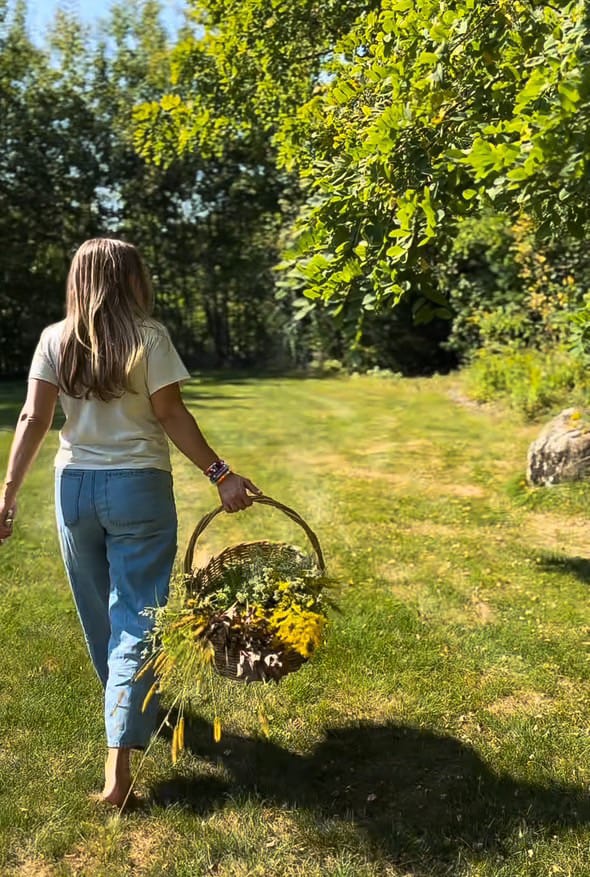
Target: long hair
[(108, 293)]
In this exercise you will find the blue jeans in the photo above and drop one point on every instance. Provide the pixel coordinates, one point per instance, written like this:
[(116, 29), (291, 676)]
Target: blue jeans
[(117, 530)]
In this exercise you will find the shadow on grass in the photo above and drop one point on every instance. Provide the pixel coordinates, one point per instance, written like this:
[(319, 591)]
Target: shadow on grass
[(420, 799), (12, 392), (12, 396), (248, 376), (576, 566), (209, 400)]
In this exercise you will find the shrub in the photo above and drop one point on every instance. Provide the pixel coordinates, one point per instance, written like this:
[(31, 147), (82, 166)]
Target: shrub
[(505, 289), (533, 382)]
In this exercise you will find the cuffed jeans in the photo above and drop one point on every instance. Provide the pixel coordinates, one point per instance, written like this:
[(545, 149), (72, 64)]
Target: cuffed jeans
[(117, 530)]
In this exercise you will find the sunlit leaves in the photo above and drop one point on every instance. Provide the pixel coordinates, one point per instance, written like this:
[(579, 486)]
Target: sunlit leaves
[(468, 103), (397, 118)]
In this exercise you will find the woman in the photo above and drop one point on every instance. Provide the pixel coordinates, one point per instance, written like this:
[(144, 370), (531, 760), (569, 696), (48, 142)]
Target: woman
[(117, 375)]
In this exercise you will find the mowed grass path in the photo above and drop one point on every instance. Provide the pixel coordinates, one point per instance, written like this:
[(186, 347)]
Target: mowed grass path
[(442, 730)]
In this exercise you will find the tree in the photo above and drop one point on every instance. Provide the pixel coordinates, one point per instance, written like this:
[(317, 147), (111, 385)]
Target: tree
[(49, 172), (69, 171), (398, 121), (206, 224)]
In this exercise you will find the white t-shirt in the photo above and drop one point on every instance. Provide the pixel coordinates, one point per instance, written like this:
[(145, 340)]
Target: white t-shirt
[(122, 433)]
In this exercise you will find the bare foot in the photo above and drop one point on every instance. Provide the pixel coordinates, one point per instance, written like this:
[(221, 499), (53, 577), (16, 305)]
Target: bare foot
[(117, 777), (132, 802), (116, 796)]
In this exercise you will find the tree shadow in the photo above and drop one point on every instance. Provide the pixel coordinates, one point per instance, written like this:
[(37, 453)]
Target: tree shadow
[(576, 566), (419, 799), (13, 392), (210, 401), (12, 396), (250, 375)]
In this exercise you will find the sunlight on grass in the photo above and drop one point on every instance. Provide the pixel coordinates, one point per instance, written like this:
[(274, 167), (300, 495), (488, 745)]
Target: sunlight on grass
[(443, 728)]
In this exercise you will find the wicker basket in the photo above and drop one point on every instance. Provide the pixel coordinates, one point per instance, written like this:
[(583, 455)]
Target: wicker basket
[(228, 647)]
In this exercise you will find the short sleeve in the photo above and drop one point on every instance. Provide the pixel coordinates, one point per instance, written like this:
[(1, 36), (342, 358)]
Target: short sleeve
[(164, 365), (42, 367)]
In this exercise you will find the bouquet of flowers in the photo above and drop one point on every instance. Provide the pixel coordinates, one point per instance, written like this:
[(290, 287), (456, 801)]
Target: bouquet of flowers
[(254, 614)]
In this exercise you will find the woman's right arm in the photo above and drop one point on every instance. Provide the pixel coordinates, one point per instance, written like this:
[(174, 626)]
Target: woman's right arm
[(182, 429), (33, 424)]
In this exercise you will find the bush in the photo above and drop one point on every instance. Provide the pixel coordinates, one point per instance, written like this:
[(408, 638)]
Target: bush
[(505, 289), (479, 276), (531, 381)]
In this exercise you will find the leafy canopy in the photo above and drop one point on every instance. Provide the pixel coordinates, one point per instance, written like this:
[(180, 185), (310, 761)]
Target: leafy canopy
[(397, 120)]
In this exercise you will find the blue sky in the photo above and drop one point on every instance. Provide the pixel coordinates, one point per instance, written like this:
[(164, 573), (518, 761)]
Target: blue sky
[(41, 12)]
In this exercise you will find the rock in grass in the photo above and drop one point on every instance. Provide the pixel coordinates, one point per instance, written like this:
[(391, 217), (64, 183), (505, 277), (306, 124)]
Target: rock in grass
[(562, 450)]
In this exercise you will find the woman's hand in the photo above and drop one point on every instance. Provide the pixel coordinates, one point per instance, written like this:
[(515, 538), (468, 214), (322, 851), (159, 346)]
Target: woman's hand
[(7, 516), (232, 492)]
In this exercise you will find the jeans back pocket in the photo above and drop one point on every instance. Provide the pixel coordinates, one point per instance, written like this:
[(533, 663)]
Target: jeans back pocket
[(138, 497), (69, 486)]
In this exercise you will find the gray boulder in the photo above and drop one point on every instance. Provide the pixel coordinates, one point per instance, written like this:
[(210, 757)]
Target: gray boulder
[(562, 450)]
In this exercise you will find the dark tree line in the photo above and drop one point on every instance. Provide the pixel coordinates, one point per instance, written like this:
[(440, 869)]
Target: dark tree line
[(69, 171), (209, 223)]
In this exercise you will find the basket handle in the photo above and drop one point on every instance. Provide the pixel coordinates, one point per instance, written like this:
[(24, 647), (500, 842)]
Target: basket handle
[(265, 500)]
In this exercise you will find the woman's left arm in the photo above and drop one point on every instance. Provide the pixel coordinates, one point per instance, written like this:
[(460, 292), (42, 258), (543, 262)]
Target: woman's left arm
[(33, 425)]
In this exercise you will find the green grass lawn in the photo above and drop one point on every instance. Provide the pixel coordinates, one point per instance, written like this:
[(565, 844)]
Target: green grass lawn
[(443, 729)]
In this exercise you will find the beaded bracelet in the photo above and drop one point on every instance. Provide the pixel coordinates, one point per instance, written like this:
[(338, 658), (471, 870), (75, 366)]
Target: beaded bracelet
[(215, 479), (215, 467), (217, 471), (222, 477)]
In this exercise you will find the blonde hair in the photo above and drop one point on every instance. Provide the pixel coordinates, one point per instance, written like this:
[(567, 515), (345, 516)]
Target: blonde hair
[(108, 293)]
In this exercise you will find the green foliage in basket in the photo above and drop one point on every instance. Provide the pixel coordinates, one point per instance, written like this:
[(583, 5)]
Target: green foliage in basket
[(270, 604), (260, 581)]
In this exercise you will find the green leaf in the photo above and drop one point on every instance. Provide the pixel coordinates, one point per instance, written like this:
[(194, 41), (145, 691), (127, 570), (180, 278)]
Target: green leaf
[(303, 308), (361, 250), (400, 233), (518, 173), (396, 252), (569, 91)]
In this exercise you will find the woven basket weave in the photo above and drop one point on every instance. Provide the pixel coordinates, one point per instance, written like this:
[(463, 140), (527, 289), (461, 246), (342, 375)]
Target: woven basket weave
[(200, 581)]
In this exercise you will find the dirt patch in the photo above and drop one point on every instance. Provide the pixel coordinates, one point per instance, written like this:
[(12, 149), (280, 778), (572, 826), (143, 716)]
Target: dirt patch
[(463, 490), (404, 448), (528, 703), (408, 481), (382, 447), (401, 480), (328, 460), (34, 868), (474, 611), (146, 846), (420, 478), (570, 536), (397, 573), (483, 611), (473, 614), (143, 847), (434, 530), (81, 862), (460, 398)]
